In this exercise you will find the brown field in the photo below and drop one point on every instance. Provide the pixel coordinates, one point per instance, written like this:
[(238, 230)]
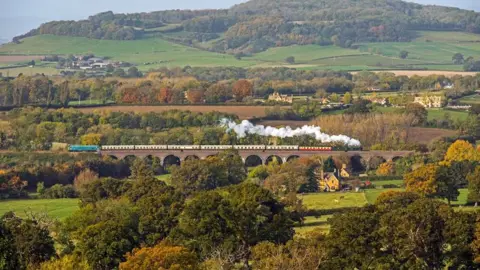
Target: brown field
[(284, 123), (243, 112), (426, 135), (19, 58), (410, 73)]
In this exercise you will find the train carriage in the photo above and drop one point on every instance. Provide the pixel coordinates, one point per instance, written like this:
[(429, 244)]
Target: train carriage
[(249, 147), (282, 147), (315, 148), (118, 147), (183, 147), (151, 147), (216, 147)]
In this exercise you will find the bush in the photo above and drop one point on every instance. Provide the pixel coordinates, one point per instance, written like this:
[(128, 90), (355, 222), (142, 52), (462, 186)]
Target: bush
[(59, 191), (390, 186)]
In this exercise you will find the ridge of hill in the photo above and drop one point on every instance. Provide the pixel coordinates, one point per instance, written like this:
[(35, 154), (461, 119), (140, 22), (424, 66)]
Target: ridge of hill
[(257, 25)]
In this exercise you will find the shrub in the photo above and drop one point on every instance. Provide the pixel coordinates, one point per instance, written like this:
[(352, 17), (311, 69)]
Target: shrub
[(58, 192)]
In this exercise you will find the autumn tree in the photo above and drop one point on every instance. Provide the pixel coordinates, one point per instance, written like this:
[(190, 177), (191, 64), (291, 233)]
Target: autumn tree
[(386, 168), (418, 112), (91, 139), (242, 89), (422, 180), (161, 256), (347, 98), (195, 96), (461, 151), (84, 177)]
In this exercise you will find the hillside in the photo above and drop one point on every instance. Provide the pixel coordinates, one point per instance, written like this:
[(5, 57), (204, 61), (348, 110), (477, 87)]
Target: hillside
[(260, 24)]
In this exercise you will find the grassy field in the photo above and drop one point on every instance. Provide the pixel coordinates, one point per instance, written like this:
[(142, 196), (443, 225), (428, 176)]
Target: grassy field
[(153, 50), (334, 200), (440, 114), (473, 99), (58, 208), (165, 178), (442, 36), (433, 55), (424, 52), (314, 223)]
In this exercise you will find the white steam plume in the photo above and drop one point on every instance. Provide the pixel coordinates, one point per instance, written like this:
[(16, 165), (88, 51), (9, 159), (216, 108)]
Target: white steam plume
[(246, 127)]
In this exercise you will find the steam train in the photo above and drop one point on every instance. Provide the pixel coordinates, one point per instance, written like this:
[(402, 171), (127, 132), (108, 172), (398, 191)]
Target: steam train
[(96, 148)]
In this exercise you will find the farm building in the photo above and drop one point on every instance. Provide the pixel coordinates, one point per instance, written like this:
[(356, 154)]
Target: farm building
[(430, 101), (280, 98)]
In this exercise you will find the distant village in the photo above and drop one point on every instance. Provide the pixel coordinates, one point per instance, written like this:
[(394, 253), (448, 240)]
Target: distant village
[(86, 63)]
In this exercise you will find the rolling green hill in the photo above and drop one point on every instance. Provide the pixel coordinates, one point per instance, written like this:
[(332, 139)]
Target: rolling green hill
[(436, 54)]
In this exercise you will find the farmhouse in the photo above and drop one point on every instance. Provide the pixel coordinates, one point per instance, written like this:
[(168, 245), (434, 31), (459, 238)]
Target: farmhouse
[(280, 98), (381, 101), (430, 101), (329, 182)]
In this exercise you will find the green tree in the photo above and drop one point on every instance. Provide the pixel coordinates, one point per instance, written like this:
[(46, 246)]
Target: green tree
[(474, 186), (458, 59), (9, 258), (403, 54), (290, 60), (140, 170), (347, 98), (329, 165), (158, 207), (33, 242), (104, 233)]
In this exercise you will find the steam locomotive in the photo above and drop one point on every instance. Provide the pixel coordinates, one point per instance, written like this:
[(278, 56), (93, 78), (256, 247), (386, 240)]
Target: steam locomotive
[(96, 148)]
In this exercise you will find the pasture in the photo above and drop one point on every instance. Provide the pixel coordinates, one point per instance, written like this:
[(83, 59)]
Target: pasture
[(156, 52), (243, 112), (473, 99), (54, 208), (333, 200)]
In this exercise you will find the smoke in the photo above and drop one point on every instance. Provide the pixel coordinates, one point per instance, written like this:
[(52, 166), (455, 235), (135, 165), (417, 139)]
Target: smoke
[(246, 127)]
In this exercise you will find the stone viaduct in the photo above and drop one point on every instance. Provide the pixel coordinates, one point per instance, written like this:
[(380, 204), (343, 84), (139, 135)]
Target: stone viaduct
[(171, 157)]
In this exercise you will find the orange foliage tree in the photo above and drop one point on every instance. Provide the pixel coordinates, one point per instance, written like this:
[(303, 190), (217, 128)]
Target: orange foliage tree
[(422, 180), (165, 95), (195, 96), (386, 168), (242, 89), (160, 256)]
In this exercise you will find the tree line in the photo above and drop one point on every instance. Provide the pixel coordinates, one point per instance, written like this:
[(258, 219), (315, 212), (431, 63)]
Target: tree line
[(204, 85)]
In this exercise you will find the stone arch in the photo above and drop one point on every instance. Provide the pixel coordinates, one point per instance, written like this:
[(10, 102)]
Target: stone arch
[(113, 157), (359, 163), (395, 158), (192, 157), (272, 158), (171, 160), (375, 161), (292, 158), (148, 159), (130, 159), (253, 161)]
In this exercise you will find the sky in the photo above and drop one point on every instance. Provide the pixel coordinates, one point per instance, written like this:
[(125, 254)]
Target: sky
[(19, 16)]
